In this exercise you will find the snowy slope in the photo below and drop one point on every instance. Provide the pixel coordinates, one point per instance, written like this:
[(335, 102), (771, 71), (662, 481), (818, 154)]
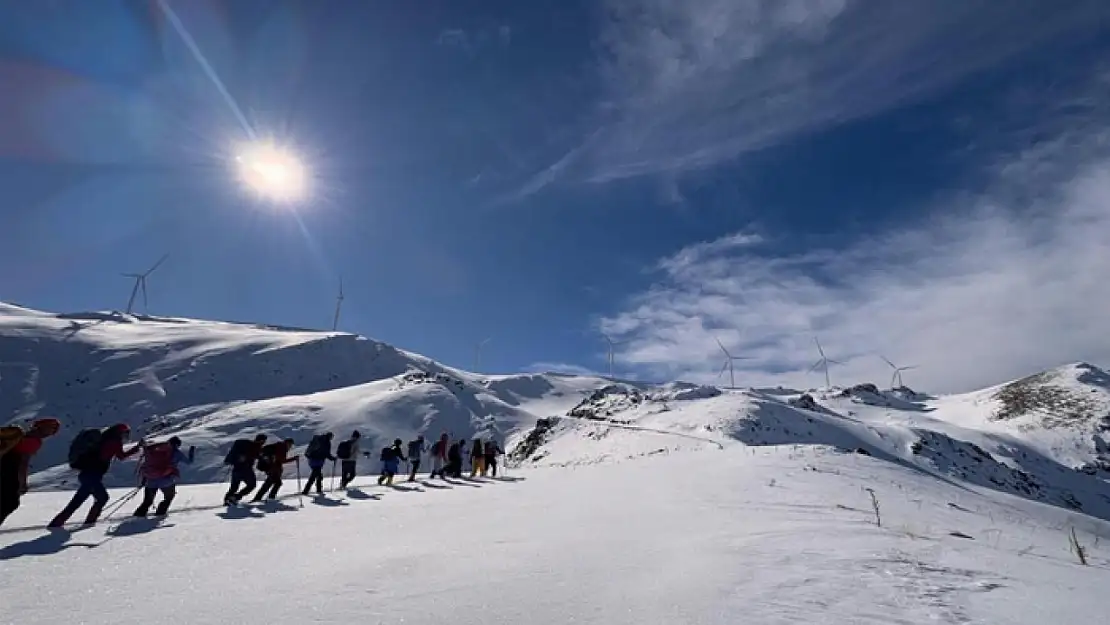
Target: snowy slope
[(742, 535), (621, 423), (210, 382)]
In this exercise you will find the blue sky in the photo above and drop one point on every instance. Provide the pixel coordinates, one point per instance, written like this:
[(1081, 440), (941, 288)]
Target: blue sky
[(927, 181)]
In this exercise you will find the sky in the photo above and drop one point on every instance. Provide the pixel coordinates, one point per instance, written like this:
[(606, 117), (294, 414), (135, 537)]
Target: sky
[(927, 182)]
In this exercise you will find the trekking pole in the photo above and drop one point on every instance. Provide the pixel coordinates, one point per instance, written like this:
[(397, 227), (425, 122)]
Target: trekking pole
[(118, 504), (300, 495)]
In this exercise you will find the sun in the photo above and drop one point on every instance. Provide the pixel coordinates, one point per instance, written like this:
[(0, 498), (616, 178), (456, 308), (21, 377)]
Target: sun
[(272, 172)]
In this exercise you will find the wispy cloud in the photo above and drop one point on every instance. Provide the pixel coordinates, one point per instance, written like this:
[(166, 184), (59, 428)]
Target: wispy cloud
[(561, 367), (692, 83), (993, 286)]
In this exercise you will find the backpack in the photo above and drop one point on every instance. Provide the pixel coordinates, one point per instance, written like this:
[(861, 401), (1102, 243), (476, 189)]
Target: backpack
[(84, 451), (387, 454), (317, 449), (267, 457), (238, 452), (415, 448), (158, 461), (343, 451), (10, 435)]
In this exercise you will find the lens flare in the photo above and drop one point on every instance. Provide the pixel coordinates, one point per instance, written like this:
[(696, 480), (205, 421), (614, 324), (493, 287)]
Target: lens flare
[(273, 173)]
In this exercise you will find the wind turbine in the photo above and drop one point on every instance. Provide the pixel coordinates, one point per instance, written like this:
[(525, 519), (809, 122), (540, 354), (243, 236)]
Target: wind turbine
[(338, 306), (824, 362), (897, 375), (610, 342), (729, 358), (478, 353), (140, 283)]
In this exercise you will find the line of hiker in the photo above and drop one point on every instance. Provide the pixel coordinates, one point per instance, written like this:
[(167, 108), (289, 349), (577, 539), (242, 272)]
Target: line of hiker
[(92, 451)]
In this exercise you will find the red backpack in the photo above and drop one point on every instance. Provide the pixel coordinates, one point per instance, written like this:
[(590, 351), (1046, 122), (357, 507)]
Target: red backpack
[(158, 461)]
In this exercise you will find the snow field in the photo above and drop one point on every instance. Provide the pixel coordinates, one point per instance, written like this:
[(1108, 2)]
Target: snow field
[(772, 535)]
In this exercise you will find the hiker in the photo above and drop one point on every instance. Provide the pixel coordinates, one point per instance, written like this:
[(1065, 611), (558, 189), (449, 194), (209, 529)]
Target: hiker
[(439, 456), (491, 452), (477, 458), (241, 458), (318, 452), (416, 451), (454, 459), (160, 472), (391, 458), (347, 452), (272, 461), (16, 449), (91, 453)]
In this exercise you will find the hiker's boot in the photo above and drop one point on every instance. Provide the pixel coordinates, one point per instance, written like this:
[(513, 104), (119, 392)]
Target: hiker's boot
[(162, 509)]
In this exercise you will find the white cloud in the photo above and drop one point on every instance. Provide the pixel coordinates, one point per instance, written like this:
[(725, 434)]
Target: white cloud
[(561, 367), (692, 83), (992, 287)]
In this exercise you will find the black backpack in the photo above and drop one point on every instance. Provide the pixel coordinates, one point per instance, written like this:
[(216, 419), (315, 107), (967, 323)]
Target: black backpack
[(84, 451), (387, 454), (343, 451), (317, 448), (238, 451), (267, 457)]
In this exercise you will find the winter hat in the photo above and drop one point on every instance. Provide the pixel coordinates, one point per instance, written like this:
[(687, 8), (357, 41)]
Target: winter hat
[(175, 441), (47, 425), (397, 441), (355, 434)]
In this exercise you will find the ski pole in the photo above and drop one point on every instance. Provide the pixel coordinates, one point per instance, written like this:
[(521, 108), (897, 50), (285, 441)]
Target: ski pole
[(300, 495)]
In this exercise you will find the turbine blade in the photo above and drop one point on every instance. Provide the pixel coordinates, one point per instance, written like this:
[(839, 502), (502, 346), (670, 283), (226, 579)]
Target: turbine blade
[(721, 345), (908, 368), (143, 282), (816, 365), (819, 349), (723, 368), (833, 362), (157, 264), (892, 366)]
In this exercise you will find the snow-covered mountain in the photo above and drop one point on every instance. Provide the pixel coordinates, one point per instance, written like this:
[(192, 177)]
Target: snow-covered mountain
[(211, 382), (1041, 437)]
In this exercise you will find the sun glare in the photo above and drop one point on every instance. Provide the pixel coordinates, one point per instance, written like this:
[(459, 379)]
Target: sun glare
[(273, 173)]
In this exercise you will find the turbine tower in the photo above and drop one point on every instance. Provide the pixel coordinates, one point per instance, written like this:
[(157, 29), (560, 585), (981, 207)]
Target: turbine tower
[(610, 342), (338, 306), (140, 283), (897, 375), (478, 353), (729, 358), (823, 363)]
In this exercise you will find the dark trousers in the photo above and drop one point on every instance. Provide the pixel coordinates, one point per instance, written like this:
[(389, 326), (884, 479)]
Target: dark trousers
[(271, 484), (315, 476), (90, 485), (412, 472), (454, 467), (349, 469), (9, 484), (241, 474), (491, 464), (168, 493)]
